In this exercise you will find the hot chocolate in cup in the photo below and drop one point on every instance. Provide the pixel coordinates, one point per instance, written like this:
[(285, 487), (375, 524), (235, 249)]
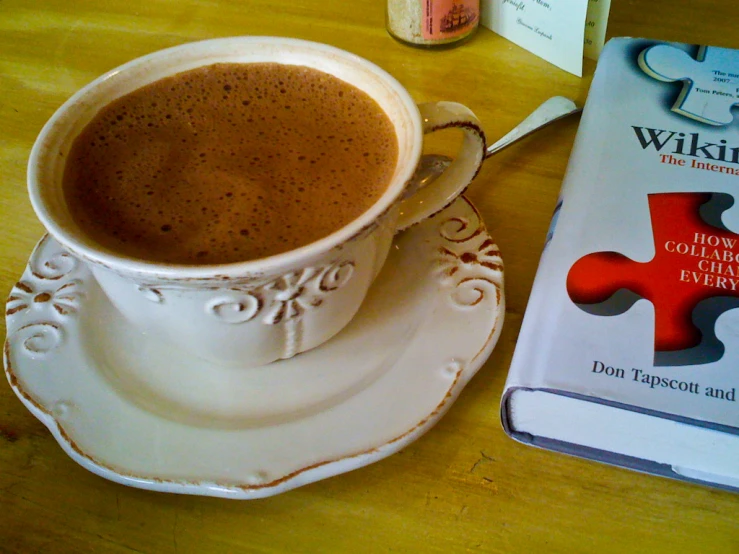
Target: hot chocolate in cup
[(236, 197)]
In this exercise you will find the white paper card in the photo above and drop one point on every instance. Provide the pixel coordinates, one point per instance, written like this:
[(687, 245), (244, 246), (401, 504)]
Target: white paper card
[(554, 30), (596, 22)]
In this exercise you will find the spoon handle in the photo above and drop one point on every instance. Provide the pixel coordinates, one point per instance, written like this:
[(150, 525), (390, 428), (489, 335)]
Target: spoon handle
[(550, 111)]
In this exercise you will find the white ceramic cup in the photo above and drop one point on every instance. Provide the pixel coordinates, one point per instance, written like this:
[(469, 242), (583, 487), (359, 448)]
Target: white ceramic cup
[(257, 311)]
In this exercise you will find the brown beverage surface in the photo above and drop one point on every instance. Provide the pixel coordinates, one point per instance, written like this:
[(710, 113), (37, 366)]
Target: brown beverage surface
[(229, 162)]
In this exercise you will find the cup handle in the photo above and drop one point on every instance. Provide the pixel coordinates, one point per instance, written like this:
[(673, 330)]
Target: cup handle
[(423, 202)]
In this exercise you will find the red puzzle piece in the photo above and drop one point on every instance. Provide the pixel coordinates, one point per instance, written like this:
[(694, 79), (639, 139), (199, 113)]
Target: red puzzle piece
[(692, 279)]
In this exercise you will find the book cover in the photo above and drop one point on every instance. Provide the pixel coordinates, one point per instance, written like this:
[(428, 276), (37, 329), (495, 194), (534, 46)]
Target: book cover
[(629, 348)]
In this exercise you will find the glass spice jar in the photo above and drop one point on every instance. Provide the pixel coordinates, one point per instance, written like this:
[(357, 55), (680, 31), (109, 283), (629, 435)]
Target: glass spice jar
[(432, 23)]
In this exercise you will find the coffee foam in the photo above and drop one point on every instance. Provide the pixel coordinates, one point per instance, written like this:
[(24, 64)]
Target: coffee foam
[(229, 162)]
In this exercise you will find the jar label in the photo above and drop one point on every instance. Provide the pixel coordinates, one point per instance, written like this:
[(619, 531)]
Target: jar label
[(448, 18)]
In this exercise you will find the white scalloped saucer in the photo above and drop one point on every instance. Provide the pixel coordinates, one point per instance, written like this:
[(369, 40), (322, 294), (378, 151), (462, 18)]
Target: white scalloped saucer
[(136, 412)]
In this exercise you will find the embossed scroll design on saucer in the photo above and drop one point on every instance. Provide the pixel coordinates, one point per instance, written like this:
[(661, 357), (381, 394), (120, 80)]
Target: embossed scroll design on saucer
[(469, 261), (49, 292)]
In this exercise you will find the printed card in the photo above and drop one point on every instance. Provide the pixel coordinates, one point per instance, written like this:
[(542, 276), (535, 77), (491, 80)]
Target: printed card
[(559, 31), (596, 22)]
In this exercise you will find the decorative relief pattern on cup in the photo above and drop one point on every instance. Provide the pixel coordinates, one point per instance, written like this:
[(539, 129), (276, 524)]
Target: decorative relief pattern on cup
[(237, 308), (335, 276), (284, 299), (151, 294), (470, 261), (298, 291)]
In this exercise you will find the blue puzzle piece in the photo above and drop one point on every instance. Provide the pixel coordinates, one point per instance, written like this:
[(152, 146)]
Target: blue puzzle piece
[(711, 85)]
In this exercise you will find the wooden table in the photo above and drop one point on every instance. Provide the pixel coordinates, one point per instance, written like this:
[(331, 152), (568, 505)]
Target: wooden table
[(464, 486)]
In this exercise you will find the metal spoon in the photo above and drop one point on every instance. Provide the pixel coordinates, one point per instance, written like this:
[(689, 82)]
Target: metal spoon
[(554, 109)]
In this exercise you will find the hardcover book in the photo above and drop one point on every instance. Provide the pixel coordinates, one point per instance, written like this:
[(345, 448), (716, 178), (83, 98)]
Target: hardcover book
[(629, 349)]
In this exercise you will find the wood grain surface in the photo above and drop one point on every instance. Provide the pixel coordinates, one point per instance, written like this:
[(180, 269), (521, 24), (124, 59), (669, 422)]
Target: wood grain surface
[(464, 486)]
